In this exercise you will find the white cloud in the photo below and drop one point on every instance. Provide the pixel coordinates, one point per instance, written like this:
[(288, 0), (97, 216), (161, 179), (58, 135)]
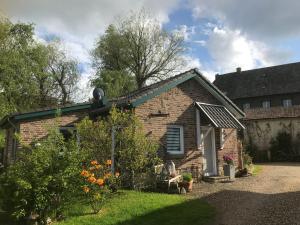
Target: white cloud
[(230, 49), (267, 19)]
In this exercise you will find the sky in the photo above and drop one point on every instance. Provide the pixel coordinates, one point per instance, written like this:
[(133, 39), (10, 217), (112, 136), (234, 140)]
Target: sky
[(220, 35)]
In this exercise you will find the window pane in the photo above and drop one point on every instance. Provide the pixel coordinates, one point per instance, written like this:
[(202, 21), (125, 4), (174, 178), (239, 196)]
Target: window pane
[(266, 104), (173, 139), (287, 102)]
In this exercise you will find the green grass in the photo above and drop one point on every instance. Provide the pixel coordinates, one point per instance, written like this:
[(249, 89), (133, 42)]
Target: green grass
[(256, 170), (139, 208)]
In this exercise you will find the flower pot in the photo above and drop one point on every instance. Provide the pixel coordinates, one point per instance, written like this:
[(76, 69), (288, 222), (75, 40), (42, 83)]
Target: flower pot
[(188, 186), (229, 170)]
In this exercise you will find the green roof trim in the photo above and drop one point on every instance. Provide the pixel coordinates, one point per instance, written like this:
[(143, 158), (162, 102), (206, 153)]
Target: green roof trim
[(162, 89), (47, 112)]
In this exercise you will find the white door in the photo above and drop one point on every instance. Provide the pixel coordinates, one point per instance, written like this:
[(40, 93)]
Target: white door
[(209, 151)]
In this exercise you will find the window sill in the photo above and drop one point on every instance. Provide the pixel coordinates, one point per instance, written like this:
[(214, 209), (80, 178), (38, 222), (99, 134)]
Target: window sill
[(174, 156)]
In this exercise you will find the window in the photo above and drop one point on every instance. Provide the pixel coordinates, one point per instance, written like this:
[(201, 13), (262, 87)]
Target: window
[(175, 140), (266, 104), (67, 132), (246, 106), (287, 102)]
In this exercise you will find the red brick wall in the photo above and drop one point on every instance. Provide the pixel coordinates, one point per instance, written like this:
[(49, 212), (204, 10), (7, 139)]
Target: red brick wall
[(178, 104), (38, 129)]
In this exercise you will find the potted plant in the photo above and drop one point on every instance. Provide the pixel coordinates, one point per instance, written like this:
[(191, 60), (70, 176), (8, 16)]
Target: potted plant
[(228, 167), (187, 182)]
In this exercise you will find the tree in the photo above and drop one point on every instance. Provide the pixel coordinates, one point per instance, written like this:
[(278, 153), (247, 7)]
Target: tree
[(115, 83), (64, 72), (139, 46)]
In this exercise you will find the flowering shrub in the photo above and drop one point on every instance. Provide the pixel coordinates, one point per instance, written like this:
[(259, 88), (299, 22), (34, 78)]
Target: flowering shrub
[(228, 159), (99, 183)]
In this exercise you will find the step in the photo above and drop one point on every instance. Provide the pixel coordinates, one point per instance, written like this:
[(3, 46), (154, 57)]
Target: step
[(216, 179)]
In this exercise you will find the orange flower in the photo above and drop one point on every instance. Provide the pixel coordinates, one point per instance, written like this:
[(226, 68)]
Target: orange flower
[(108, 162), (107, 175), (98, 167), (92, 179), (86, 189), (84, 173), (94, 162), (117, 174), (100, 182)]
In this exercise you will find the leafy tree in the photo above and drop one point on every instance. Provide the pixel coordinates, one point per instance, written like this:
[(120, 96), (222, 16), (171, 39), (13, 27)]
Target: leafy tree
[(137, 45), (115, 83), (64, 71)]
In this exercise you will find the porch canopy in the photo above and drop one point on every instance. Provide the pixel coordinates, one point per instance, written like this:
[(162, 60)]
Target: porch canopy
[(219, 116)]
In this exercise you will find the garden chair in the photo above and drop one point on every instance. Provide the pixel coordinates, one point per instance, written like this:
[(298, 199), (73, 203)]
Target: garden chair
[(166, 175)]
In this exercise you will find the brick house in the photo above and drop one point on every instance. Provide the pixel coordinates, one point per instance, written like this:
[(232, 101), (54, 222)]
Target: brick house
[(270, 98), (193, 121)]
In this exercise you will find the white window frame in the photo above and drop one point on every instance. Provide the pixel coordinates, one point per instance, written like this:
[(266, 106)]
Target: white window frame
[(284, 101), (266, 104), (246, 104), (181, 140)]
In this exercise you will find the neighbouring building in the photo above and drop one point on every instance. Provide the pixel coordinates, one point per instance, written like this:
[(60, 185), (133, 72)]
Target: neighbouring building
[(193, 121), (270, 98)]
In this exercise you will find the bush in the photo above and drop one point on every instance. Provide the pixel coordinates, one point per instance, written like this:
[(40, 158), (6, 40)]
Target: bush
[(247, 159), (43, 179), (283, 148), (99, 183), (135, 154), (187, 177)]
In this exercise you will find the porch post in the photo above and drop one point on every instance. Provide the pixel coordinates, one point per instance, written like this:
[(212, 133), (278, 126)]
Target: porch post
[(198, 129)]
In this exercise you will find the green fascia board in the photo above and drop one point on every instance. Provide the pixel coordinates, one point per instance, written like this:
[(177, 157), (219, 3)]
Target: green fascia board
[(162, 89), (63, 110)]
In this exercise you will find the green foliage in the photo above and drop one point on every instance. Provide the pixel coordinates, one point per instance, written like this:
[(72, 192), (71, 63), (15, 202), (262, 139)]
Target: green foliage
[(135, 154), (283, 148), (252, 150), (32, 74), (187, 177), (247, 159), (43, 179), (115, 83), (138, 45)]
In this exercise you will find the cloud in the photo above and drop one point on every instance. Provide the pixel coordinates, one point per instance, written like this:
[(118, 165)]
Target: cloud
[(231, 48), (267, 19), (185, 31)]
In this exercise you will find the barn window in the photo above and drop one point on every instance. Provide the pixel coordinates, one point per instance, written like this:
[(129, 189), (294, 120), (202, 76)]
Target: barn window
[(175, 139)]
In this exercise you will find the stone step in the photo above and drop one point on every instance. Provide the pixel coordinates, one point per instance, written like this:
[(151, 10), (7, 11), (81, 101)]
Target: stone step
[(216, 179)]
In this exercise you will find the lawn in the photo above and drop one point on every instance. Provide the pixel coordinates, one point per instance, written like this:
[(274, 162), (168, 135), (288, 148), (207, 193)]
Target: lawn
[(256, 170), (139, 208)]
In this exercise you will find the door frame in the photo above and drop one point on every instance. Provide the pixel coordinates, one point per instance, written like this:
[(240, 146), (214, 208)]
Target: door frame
[(213, 152)]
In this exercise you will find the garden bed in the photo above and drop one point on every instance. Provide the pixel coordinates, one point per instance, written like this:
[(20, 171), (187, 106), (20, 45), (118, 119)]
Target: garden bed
[(138, 208)]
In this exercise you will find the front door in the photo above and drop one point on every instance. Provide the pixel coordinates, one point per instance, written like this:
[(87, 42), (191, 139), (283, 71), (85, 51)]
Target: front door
[(209, 151)]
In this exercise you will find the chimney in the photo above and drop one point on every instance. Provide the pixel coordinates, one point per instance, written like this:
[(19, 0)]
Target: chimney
[(238, 69)]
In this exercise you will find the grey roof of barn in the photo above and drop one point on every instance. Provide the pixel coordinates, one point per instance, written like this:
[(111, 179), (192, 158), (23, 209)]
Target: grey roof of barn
[(281, 79), (219, 116)]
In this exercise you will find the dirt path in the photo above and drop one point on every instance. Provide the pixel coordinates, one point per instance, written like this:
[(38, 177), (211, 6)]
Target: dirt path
[(272, 197)]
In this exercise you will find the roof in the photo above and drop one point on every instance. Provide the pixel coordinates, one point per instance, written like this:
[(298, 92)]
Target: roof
[(140, 96), (272, 113), (281, 79), (45, 112), (136, 98), (219, 116)]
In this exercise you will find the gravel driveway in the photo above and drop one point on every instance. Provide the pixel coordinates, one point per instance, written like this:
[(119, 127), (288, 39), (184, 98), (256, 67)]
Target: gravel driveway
[(271, 197)]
